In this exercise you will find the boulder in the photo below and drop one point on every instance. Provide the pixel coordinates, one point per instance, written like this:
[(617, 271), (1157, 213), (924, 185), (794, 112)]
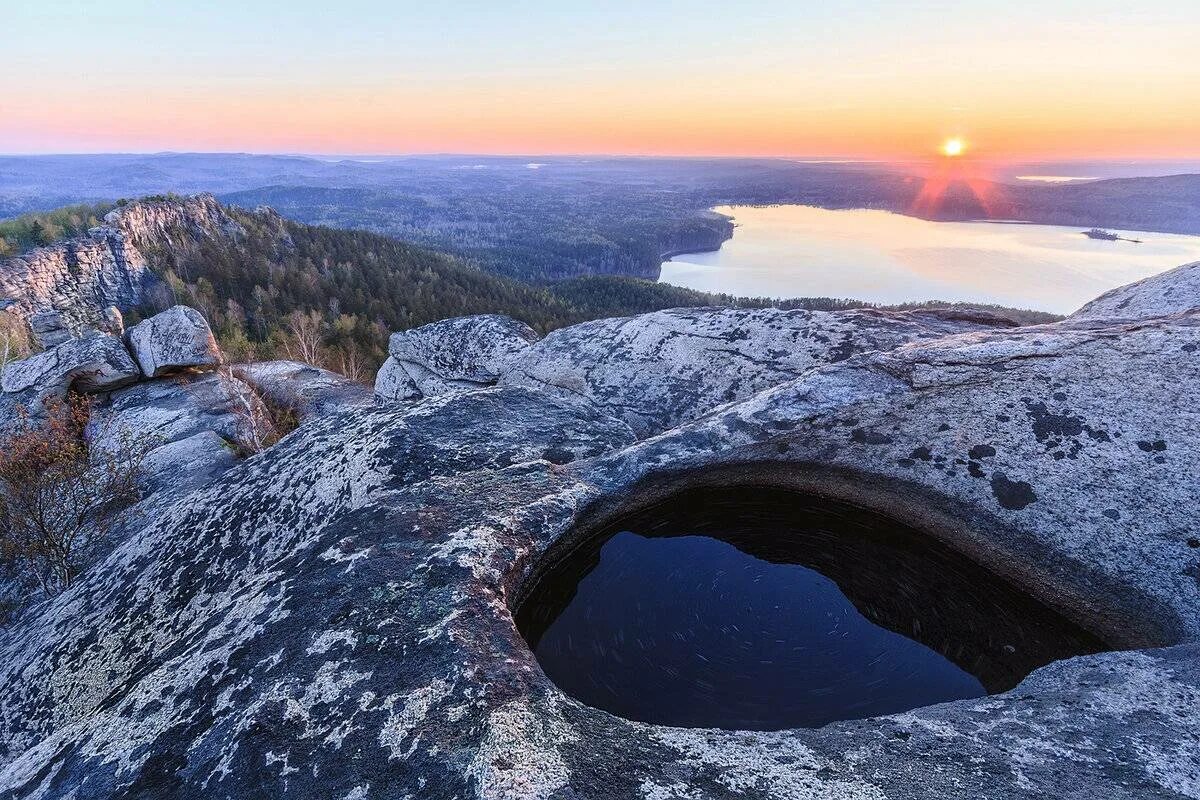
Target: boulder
[(466, 352), (394, 383), (96, 362), (657, 370), (176, 339), (169, 410)]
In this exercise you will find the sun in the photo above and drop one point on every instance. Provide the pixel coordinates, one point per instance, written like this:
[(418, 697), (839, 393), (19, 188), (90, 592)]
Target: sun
[(954, 147)]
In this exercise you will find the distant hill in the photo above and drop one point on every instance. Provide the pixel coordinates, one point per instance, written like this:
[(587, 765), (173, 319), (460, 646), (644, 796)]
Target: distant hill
[(259, 277), (551, 219)]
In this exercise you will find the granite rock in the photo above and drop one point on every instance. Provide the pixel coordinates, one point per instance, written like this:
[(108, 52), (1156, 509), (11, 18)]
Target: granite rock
[(332, 618), (308, 390), (173, 340), (93, 363), (657, 370), (49, 329), (465, 352), (80, 277), (1172, 292), (159, 414)]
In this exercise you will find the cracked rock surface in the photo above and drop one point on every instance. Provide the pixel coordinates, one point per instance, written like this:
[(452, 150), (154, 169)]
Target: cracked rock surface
[(193, 423), (94, 363), (460, 353), (80, 277), (331, 618), (309, 390), (657, 370)]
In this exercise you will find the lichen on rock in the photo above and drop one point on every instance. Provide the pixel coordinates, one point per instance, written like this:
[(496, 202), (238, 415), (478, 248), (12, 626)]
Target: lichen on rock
[(332, 618)]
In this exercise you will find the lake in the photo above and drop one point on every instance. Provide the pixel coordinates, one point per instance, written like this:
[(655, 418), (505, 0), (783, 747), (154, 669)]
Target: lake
[(878, 256)]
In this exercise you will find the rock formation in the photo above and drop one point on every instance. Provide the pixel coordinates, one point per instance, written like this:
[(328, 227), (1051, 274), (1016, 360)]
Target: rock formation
[(1175, 291), (94, 363), (657, 370), (310, 391), (332, 617), (174, 340), (81, 277), (461, 353)]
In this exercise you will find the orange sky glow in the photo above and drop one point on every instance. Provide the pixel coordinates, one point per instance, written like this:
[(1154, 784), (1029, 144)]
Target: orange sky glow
[(1102, 83)]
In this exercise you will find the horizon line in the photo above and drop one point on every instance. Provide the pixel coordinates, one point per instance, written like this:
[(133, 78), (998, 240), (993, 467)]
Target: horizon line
[(798, 158)]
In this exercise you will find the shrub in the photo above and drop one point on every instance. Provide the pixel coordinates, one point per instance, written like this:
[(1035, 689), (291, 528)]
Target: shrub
[(58, 497)]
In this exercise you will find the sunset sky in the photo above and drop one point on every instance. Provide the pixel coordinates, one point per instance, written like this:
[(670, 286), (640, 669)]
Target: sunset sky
[(1020, 79)]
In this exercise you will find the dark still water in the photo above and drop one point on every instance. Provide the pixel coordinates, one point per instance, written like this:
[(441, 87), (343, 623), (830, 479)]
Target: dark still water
[(763, 609)]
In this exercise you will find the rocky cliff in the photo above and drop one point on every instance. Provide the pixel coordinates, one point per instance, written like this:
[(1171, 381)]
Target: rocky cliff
[(332, 618), (81, 277)]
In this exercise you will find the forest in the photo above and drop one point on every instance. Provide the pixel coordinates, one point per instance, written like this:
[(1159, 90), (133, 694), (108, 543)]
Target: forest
[(333, 297)]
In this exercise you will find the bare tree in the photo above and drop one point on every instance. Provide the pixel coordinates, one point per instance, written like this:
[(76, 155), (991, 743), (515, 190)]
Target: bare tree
[(306, 335), (256, 428), (58, 496), (353, 365)]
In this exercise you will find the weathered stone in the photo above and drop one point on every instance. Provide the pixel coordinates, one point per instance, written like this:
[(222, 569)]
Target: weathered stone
[(392, 382), (333, 618), (310, 391), (81, 277), (187, 464), (176, 339), (49, 329), (657, 370), (466, 352), (94, 363), (172, 409), (1171, 292), (111, 321)]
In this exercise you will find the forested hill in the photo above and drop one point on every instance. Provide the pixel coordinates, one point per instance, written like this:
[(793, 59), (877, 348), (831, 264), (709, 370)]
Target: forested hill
[(282, 279), (272, 287)]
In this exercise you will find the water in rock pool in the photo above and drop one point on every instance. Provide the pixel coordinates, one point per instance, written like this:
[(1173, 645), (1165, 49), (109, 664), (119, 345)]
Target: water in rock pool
[(763, 609)]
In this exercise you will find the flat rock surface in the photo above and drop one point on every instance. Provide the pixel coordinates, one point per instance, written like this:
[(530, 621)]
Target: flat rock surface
[(331, 618), (309, 390), (657, 370)]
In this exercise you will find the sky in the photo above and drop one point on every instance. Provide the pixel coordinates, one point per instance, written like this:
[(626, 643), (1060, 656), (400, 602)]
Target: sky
[(873, 79)]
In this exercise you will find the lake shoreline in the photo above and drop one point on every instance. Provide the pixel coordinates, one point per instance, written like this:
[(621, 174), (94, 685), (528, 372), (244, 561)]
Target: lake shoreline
[(784, 250)]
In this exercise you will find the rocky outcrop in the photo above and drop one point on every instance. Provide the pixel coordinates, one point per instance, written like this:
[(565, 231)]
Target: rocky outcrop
[(49, 329), (95, 363), (657, 370), (173, 340), (332, 618), (308, 390), (194, 426), (81, 277), (461, 353), (1170, 292)]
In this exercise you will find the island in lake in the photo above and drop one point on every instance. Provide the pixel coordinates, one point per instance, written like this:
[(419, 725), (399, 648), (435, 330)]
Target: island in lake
[(1108, 236)]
